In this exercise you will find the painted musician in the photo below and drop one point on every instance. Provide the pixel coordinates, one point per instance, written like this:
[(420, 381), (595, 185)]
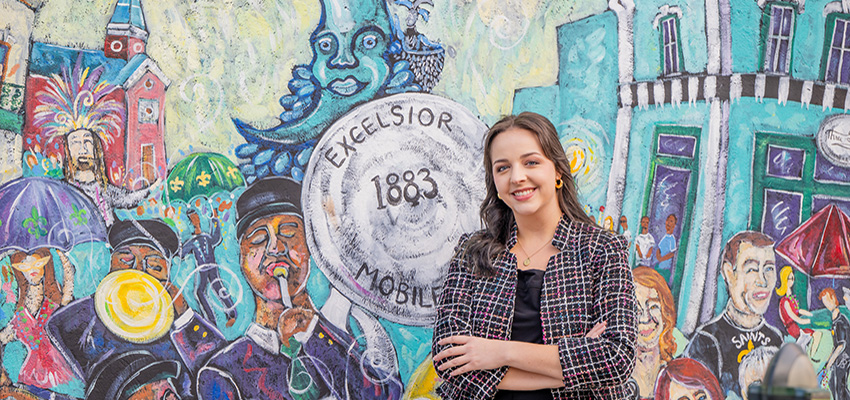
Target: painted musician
[(89, 336), (291, 350)]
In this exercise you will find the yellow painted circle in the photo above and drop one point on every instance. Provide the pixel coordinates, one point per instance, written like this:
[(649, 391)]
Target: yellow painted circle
[(134, 306)]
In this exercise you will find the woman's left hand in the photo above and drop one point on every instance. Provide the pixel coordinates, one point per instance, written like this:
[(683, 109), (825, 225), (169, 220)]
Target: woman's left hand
[(471, 353)]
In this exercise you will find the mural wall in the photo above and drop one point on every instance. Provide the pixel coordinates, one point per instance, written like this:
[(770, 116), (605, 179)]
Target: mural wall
[(258, 199)]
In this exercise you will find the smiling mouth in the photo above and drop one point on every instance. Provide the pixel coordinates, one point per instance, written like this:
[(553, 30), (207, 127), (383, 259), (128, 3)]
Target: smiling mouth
[(523, 194), (346, 87), (760, 295), (647, 332)]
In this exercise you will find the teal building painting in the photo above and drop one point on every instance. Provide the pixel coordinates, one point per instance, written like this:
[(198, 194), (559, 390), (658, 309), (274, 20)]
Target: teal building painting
[(729, 118)]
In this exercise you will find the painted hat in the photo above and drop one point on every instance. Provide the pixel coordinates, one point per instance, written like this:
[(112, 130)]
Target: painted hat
[(152, 232), (118, 377), (268, 196)]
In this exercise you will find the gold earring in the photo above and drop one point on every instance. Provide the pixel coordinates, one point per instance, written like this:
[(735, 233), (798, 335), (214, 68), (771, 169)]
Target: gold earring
[(499, 196), (559, 183)]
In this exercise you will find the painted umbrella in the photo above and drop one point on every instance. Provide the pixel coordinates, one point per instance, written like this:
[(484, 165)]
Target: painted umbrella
[(202, 174), (44, 212), (821, 245)]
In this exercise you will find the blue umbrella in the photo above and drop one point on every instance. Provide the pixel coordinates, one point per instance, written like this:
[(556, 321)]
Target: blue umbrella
[(44, 212)]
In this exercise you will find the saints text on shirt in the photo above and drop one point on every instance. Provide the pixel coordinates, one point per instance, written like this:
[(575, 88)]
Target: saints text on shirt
[(741, 340)]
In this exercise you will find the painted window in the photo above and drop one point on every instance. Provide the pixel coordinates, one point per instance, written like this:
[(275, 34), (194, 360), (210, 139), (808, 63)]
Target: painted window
[(779, 37), (148, 111), (671, 190), (837, 49), (785, 162), (791, 181), (671, 58), (676, 145)]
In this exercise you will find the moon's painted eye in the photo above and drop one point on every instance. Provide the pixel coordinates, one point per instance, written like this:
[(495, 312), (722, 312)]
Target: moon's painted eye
[(370, 41), (325, 45)]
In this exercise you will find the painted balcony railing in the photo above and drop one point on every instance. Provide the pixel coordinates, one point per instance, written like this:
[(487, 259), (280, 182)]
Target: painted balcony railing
[(693, 88)]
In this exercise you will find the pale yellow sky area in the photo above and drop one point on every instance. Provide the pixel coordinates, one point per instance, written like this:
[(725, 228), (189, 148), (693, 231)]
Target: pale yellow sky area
[(233, 58)]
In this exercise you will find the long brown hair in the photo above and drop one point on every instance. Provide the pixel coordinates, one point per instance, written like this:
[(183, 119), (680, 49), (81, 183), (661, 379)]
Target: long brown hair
[(99, 161), (648, 277), (484, 246)]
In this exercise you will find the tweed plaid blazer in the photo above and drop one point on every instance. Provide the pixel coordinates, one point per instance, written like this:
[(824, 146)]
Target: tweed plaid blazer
[(587, 282)]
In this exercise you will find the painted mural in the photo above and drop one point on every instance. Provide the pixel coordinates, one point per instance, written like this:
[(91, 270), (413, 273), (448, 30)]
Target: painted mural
[(258, 199)]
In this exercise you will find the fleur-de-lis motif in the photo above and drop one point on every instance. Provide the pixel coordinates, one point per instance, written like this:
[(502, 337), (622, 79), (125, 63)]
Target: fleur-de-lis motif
[(34, 224), (231, 172), (79, 215), (176, 184), (746, 351), (203, 179)]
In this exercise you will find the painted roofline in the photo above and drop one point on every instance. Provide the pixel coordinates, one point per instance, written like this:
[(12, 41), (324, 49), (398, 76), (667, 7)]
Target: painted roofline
[(147, 65)]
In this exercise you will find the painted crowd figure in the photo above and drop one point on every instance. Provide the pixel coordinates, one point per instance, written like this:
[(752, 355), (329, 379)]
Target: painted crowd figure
[(644, 244), (666, 250), (85, 168), (838, 363), (656, 345), (202, 246), (748, 268), (39, 296)]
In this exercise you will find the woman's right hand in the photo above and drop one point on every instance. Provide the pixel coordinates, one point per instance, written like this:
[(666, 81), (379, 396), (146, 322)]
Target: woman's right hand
[(597, 330)]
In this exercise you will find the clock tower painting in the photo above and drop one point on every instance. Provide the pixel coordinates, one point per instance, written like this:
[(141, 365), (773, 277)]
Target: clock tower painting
[(126, 33)]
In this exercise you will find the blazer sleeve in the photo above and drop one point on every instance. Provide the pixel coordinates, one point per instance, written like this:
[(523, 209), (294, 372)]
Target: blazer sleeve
[(607, 361), (453, 318)]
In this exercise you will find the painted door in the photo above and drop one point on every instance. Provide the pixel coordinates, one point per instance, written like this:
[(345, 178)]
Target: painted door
[(671, 189), (148, 164)]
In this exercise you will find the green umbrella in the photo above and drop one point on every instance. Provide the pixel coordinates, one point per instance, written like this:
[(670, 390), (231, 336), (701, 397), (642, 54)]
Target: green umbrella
[(202, 174)]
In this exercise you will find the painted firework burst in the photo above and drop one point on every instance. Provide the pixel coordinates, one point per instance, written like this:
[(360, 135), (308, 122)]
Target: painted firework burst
[(78, 100)]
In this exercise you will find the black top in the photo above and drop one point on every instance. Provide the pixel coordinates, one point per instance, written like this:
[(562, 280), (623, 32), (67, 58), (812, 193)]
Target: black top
[(841, 335), (718, 343), (527, 326)]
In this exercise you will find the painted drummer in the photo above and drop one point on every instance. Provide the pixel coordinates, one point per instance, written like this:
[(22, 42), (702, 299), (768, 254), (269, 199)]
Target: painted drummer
[(136, 308)]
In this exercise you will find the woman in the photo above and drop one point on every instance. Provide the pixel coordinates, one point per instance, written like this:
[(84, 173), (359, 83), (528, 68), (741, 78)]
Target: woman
[(540, 304), (656, 321), (687, 379), (790, 312), (39, 296)]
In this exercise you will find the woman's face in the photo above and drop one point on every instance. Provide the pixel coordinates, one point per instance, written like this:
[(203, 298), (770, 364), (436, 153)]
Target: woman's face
[(791, 279), (650, 323), (682, 392), (32, 265), (524, 177)]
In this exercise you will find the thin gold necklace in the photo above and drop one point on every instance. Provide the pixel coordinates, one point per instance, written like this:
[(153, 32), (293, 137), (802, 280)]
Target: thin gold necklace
[(528, 259)]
